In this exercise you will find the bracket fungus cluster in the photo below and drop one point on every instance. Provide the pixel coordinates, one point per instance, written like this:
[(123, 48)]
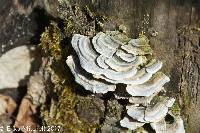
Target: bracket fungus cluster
[(113, 62)]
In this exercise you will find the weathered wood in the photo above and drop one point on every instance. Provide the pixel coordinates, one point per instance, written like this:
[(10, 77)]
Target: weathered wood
[(177, 43)]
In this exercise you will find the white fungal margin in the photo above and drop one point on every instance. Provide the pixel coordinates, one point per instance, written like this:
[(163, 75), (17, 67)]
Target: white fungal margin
[(112, 58), (91, 85)]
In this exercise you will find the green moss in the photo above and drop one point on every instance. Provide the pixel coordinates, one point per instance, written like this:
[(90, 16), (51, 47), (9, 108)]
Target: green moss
[(68, 116), (74, 113), (89, 13), (61, 111), (69, 24), (82, 22), (122, 37), (114, 109), (70, 27), (151, 62), (144, 44), (122, 28), (64, 115), (50, 40), (156, 99), (140, 130), (175, 109)]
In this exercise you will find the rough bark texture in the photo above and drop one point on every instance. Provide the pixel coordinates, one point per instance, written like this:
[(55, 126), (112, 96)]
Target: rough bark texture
[(177, 42)]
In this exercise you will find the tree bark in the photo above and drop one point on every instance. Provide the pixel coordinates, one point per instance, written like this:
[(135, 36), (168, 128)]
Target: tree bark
[(177, 43)]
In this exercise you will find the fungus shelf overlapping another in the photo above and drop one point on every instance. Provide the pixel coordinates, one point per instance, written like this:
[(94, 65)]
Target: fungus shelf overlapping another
[(108, 59)]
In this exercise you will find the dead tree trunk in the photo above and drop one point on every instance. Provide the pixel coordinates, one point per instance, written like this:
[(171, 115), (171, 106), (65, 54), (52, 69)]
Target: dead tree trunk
[(174, 30), (177, 42)]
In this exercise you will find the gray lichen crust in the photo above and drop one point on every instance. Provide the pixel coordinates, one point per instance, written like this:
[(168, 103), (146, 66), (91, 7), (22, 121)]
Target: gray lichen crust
[(112, 58)]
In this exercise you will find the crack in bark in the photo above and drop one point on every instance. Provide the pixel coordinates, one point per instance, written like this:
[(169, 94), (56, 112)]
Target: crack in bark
[(189, 46)]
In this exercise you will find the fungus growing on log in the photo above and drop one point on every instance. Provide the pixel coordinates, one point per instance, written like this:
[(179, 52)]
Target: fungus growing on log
[(108, 59), (91, 85), (162, 127)]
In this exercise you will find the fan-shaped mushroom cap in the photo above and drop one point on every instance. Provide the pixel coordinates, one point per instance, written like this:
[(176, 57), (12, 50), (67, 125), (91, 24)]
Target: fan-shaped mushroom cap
[(104, 45), (87, 58), (137, 113), (113, 58), (129, 124), (138, 46), (101, 62), (159, 111), (153, 66), (125, 56), (150, 114), (150, 87), (119, 65), (91, 85), (162, 127), (119, 71), (142, 100)]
